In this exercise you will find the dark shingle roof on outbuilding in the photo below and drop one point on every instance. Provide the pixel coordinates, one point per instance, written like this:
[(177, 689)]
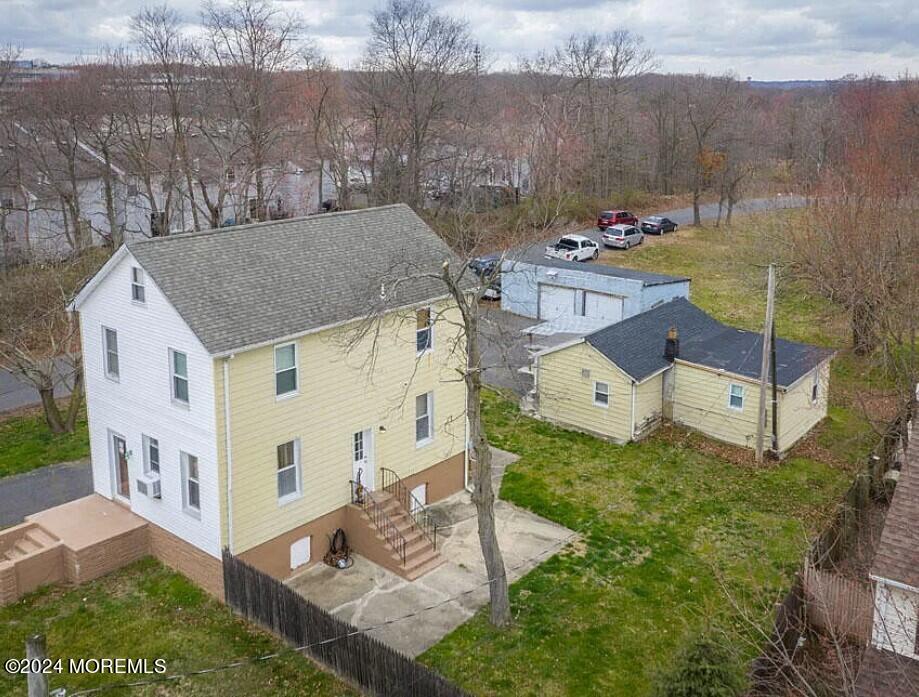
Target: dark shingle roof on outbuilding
[(253, 284), (636, 345)]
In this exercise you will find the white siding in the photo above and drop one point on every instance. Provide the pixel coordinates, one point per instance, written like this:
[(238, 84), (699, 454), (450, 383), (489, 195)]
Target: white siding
[(140, 402), (896, 615)]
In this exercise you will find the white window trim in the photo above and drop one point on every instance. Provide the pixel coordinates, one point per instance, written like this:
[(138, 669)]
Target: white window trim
[(183, 466), (145, 439), (298, 491), (173, 375), (597, 403), (430, 329), (743, 396), (430, 414), (138, 284), (294, 392), (116, 377)]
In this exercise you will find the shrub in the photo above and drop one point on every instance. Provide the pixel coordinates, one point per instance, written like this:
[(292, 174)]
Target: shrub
[(702, 668)]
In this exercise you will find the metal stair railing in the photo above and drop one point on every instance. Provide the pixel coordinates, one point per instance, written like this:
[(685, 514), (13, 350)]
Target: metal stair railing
[(364, 498), (421, 517)]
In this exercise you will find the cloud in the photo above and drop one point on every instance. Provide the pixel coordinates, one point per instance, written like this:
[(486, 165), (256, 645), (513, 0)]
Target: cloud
[(767, 39)]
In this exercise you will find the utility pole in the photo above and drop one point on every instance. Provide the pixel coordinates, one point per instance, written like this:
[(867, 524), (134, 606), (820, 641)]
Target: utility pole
[(36, 654), (764, 367)]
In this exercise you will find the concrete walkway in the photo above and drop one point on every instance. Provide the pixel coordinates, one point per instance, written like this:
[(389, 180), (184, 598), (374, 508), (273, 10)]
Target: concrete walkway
[(24, 494), (367, 595)]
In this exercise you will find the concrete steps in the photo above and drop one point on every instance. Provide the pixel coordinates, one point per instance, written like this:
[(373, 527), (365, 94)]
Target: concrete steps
[(420, 555), (31, 540)]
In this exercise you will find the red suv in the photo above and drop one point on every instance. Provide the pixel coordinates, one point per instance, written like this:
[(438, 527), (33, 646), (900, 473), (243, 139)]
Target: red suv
[(609, 218)]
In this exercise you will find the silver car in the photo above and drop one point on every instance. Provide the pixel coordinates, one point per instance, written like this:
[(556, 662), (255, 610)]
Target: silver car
[(622, 236)]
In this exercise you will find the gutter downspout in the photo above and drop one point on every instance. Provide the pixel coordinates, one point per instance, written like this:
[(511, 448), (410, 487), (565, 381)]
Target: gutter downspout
[(229, 449), (632, 417), (466, 484)]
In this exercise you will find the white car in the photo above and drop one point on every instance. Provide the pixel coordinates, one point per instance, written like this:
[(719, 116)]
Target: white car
[(622, 236), (573, 248)]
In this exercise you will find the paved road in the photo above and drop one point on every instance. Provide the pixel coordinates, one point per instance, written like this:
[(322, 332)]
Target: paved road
[(24, 494), (15, 394), (709, 211)]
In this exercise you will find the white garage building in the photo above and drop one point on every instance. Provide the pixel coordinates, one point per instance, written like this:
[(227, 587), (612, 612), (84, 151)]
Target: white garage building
[(576, 297)]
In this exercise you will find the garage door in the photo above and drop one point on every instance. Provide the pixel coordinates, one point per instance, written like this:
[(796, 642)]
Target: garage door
[(602, 306), (555, 302)]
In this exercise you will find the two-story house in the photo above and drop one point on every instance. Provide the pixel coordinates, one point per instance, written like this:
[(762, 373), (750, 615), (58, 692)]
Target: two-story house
[(236, 389)]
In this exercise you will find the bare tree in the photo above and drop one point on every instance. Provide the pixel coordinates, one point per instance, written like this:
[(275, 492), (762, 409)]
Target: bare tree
[(249, 48), (707, 103), (416, 66), (40, 339)]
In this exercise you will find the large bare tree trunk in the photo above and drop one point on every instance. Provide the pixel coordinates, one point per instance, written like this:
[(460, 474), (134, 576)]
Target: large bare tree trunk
[(483, 495)]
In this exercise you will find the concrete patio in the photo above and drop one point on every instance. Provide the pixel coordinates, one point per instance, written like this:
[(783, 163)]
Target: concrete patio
[(367, 595)]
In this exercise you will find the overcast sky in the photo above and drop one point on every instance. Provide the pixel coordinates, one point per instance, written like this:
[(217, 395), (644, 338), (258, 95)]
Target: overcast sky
[(762, 39)]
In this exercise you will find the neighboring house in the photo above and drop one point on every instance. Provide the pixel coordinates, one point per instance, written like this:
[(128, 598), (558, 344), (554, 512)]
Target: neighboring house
[(890, 666), (231, 400), (575, 298), (619, 382)]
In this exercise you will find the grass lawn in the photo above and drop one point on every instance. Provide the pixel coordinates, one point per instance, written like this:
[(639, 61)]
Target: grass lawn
[(728, 270), (26, 443), (669, 532), (147, 611)]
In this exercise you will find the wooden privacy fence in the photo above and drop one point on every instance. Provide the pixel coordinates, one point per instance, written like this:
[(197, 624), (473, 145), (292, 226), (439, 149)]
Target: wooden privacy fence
[(361, 659), (767, 670), (838, 606)]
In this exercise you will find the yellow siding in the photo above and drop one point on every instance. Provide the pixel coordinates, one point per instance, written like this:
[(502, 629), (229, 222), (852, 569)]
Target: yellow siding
[(648, 404), (700, 402), (797, 414), (566, 396), (339, 394)]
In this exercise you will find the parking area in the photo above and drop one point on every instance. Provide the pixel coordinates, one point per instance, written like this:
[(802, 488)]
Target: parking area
[(430, 607)]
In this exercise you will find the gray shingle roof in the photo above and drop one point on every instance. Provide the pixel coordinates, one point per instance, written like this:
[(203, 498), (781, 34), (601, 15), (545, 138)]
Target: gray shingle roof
[(535, 254), (253, 284), (897, 555), (637, 345)]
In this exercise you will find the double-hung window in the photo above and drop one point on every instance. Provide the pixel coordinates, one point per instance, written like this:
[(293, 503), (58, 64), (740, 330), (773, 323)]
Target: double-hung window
[(424, 331), (288, 471), (151, 455), (191, 485), (424, 418), (735, 396), (110, 342), (601, 394), (285, 369), (137, 285), (178, 364)]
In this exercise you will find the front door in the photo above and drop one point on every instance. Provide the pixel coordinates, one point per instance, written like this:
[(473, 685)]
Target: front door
[(362, 458), (120, 463)]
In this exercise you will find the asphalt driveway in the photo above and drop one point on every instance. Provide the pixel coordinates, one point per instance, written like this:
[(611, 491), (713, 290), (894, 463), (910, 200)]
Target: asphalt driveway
[(45, 487), (429, 608)]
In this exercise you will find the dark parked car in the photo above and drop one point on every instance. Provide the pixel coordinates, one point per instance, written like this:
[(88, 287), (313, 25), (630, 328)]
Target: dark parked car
[(609, 218), (657, 225), (486, 268)]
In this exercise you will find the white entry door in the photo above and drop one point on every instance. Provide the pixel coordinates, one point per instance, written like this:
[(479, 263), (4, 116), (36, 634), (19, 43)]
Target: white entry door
[(603, 306), (555, 302), (121, 476), (362, 458)]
